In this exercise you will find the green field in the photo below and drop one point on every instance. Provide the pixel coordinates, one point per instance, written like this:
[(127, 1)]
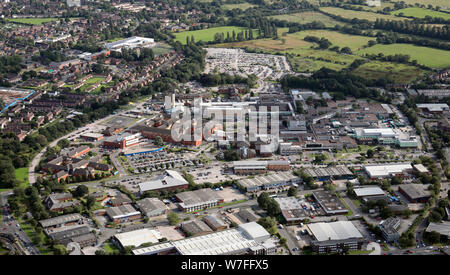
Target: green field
[(161, 49), (444, 4), (114, 39), (421, 13), (430, 57), (398, 73), (22, 176), (32, 21), (354, 42), (207, 35), (350, 14), (307, 17), (242, 6)]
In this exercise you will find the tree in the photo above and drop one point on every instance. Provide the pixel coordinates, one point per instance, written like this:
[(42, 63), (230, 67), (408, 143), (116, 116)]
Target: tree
[(370, 153), (396, 180), (173, 218), (81, 190), (63, 143), (90, 201), (263, 200), (59, 249), (387, 212), (269, 224), (158, 141), (433, 237), (292, 192)]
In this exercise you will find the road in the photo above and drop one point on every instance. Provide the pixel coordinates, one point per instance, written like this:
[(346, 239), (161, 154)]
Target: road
[(11, 226)]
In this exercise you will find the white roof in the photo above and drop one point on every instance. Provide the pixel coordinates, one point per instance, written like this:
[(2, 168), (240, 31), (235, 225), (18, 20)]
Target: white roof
[(368, 191), (218, 243), (340, 230), (170, 179), (255, 231), (421, 168), (138, 237), (386, 170), (384, 132)]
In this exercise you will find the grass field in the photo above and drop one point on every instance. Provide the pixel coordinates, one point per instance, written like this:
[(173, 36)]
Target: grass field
[(32, 21), (207, 35), (399, 73), (22, 176), (114, 39), (350, 14), (430, 57), (161, 49), (242, 6), (421, 13), (307, 17), (444, 4), (354, 42)]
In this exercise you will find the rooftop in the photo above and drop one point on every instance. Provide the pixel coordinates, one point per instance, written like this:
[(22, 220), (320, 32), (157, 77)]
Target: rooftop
[(138, 237), (386, 170), (60, 220), (369, 191), (339, 230)]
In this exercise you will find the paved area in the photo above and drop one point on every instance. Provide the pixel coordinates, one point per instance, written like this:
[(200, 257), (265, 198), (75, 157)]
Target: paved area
[(375, 247)]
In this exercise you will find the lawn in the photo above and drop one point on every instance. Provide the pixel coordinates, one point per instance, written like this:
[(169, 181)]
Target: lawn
[(114, 39), (350, 14), (242, 6), (22, 176), (354, 42), (109, 247), (430, 57), (207, 35), (421, 13), (161, 49), (93, 80), (32, 21), (440, 3), (359, 252), (307, 17), (398, 73)]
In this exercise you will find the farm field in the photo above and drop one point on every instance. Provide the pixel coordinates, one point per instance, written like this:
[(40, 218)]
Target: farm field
[(354, 42), (375, 8), (207, 35), (32, 21), (421, 13), (242, 6), (350, 14), (307, 17), (430, 57), (444, 4), (399, 73)]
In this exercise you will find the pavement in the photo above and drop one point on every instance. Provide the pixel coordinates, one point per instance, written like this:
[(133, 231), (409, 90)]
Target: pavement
[(375, 247)]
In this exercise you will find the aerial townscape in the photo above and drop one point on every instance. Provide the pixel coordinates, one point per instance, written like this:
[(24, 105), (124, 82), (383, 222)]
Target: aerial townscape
[(224, 127)]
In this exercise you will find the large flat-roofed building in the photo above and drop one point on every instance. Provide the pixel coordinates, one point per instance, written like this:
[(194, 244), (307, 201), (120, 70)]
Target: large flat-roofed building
[(245, 167), (385, 136), (442, 228), (152, 207), (215, 222), (433, 107), (372, 191), (387, 170), (137, 237), (254, 167), (336, 172), (169, 181), (270, 181), (329, 202), (335, 236), (247, 215), (195, 227), (288, 148), (91, 136), (63, 220), (198, 199), (130, 43), (249, 238), (415, 193), (389, 229), (65, 236), (293, 209), (123, 213), (122, 141)]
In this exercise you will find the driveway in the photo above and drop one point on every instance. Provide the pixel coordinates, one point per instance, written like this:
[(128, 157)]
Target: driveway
[(376, 248)]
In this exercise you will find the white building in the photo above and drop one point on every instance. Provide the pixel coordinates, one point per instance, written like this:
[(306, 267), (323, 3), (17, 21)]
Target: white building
[(249, 238), (138, 237), (383, 171), (130, 43)]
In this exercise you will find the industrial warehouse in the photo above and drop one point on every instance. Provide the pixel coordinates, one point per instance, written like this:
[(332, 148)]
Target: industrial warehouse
[(198, 200), (271, 181), (248, 238), (334, 236), (329, 202)]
